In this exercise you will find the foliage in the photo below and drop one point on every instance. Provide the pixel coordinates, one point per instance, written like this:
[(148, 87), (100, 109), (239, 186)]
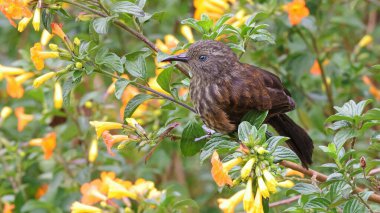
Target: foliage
[(113, 106)]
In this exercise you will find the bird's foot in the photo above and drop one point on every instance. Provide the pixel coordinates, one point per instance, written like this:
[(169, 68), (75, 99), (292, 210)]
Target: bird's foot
[(209, 132)]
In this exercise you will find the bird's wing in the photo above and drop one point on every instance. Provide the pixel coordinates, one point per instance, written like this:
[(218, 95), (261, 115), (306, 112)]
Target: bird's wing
[(280, 97)]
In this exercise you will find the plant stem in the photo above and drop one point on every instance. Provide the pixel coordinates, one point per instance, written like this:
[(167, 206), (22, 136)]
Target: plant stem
[(128, 29), (151, 90), (314, 47), (322, 178)]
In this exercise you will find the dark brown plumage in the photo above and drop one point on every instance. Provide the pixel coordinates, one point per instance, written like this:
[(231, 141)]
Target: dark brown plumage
[(223, 90)]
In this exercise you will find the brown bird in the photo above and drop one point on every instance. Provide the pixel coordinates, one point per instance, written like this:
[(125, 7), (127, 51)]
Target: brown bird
[(223, 90)]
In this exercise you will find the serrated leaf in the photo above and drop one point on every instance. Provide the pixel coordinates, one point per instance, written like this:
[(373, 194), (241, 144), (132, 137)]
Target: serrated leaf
[(318, 203), (283, 153), (274, 141), (101, 24), (189, 146), (372, 114), (335, 176), (254, 117), (342, 136), (193, 24), (134, 103), (305, 189), (120, 86), (222, 20), (353, 206), (136, 67), (127, 7), (216, 144)]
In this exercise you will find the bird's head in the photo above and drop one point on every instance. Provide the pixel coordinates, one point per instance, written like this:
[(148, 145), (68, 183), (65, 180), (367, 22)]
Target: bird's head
[(207, 58)]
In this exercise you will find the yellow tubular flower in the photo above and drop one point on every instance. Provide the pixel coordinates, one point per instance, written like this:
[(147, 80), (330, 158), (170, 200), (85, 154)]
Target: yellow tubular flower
[(187, 33), (219, 3), (93, 151), (45, 37), (37, 19), (247, 168), (53, 47), (228, 205), (42, 79), (286, 184), (58, 98), (248, 199), (291, 172), (100, 127), (38, 56), (213, 8), (227, 166), (365, 41), (118, 191), (270, 181), (5, 113), (23, 23), (258, 204), (77, 207), (262, 187), (11, 70)]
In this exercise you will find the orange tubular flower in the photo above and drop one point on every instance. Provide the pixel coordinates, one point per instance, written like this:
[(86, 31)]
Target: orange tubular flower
[(372, 87), (15, 9), (14, 84), (291, 172), (219, 170), (8, 208), (57, 30), (48, 144), (315, 69), (100, 126), (41, 191), (296, 10), (93, 192), (110, 140), (38, 56), (23, 119)]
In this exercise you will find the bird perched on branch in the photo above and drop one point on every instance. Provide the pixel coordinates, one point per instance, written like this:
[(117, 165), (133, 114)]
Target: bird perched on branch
[(223, 90)]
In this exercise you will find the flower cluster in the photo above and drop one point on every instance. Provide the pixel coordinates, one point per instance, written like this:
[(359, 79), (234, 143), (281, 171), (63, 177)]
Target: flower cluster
[(106, 190), (257, 171), (213, 8)]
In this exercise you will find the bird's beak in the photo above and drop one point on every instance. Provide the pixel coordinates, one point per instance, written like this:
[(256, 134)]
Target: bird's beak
[(181, 57)]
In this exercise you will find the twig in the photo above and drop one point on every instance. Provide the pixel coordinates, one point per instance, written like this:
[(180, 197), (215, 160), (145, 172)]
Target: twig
[(283, 202), (128, 29), (151, 90), (322, 178), (314, 47)]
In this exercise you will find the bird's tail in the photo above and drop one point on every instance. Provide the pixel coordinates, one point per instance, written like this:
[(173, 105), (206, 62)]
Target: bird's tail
[(299, 141)]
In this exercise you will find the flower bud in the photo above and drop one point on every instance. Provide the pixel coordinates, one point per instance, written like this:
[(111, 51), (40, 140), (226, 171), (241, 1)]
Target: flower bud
[(286, 184), (42, 79), (365, 41), (23, 23), (363, 162), (5, 112), (37, 19), (76, 41), (93, 151), (261, 150), (78, 65), (53, 47), (247, 168)]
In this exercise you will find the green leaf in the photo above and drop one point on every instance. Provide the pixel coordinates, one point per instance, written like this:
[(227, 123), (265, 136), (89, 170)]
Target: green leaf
[(114, 62), (164, 78), (353, 206), (305, 189), (318, 203), (193, 24), (101, 24), (189, 146), (134, 103), (120, 86), (67, 88), (342, 136), (283, 153), (244, 131), (136, 67), (47, 18), (217, 144), (351, 109), (372, 114), (222, 20), (365, 195), (127, 7), (274, 141), (254, 117)]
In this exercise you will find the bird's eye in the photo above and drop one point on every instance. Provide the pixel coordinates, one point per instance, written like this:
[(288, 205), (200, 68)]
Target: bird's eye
[(203, 58)]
